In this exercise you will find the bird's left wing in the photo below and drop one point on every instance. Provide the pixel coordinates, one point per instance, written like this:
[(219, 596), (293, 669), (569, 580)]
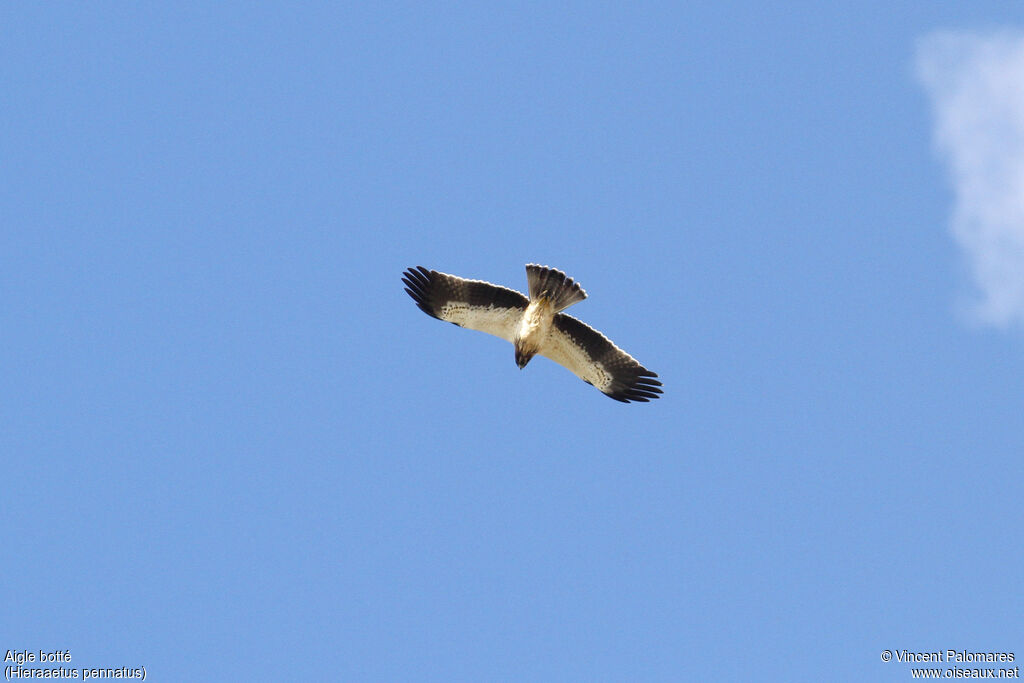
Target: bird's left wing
[(473, 304), (592, 357)]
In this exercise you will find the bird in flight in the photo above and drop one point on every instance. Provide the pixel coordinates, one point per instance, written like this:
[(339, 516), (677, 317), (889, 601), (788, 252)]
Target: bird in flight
[(535, 325)]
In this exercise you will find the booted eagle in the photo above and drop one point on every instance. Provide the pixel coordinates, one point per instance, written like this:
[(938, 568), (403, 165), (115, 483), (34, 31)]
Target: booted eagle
[(535, 325)]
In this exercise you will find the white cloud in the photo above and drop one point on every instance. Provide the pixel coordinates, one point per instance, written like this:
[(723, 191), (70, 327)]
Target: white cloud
[(976, 84)]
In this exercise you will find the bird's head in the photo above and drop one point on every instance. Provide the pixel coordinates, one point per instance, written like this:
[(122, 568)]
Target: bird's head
[(523, 356)]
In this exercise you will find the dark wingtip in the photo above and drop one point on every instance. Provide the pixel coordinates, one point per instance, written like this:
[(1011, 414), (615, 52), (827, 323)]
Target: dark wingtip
[(417, 281), (642, 388)]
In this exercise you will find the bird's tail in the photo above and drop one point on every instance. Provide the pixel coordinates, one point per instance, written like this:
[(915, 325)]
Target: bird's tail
[(554, 286)]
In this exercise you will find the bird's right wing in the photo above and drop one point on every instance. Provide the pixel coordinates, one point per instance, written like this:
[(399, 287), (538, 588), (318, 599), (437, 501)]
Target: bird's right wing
[(473, 304), (592, 357)]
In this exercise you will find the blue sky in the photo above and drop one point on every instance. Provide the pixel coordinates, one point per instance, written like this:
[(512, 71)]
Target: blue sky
[(235, 449)]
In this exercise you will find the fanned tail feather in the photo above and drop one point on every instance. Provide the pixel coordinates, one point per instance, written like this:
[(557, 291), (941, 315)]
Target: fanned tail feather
[(553, 285)]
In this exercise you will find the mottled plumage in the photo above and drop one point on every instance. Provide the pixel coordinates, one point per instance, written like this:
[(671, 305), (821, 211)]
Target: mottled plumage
[(535, 325)]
